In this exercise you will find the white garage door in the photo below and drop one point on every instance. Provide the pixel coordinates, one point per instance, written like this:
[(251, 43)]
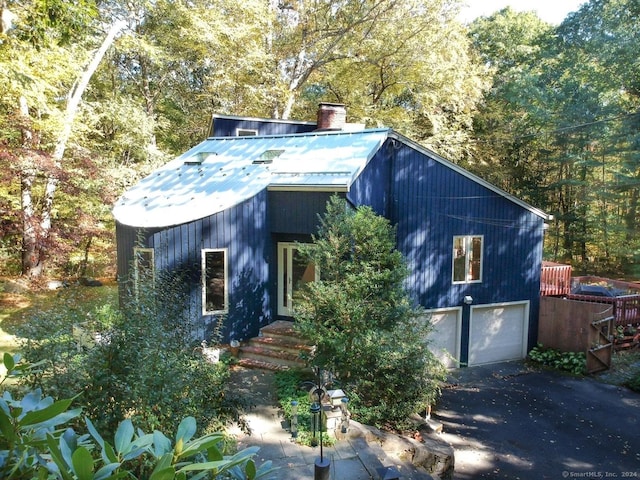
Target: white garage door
[(444, 339), (498, 332)]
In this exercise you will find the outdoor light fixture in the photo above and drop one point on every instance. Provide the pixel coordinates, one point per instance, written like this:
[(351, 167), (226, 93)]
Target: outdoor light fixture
[(468, 299), (321, 470), (294, 418), (315, 424), (335, 397)]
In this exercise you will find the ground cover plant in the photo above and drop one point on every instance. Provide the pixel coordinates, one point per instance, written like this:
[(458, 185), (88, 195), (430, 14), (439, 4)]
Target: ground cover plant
[(625, 369), (294, 385), (572, 362)]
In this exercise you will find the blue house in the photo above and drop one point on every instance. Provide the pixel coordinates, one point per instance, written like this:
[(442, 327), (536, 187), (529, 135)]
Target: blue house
[(230, 210)]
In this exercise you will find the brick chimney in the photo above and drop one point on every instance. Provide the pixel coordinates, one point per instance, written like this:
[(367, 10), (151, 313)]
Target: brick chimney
[(331, 116)]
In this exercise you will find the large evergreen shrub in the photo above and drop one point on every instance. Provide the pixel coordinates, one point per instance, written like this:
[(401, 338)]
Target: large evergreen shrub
[(361, 319)]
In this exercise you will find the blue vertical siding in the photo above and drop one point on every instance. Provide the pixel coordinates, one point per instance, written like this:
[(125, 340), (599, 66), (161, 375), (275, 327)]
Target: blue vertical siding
[(128, 238), (241, 230), (430, 203), (374, 187), (433, 203), (296, 212), (222, 126)]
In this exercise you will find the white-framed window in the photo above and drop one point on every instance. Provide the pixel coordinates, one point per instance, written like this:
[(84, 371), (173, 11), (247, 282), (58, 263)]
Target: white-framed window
[(143, 266), (293, 272), (214, 281), (245, 132), (467, 258)]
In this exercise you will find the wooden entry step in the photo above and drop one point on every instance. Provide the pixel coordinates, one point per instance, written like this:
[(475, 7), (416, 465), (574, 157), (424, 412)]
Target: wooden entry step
[(278, 347)]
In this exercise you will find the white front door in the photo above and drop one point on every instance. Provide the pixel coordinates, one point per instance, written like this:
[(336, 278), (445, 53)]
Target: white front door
[(292, 273)]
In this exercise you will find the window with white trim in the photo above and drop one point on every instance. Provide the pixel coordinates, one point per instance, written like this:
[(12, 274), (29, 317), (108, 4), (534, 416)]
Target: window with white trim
[(467, 258), (214, 281), (245, 132)]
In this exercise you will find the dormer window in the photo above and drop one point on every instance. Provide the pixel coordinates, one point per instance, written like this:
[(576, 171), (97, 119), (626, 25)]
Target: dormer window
[(268, 156)]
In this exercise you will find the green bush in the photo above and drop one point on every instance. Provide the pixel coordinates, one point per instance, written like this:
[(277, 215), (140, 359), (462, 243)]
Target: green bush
[(37, 442), (143, 366), (294, 385), (573, 362), (366, 329), (633, 383)]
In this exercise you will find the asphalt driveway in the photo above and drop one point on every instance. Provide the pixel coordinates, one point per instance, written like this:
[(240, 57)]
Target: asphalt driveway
[(508, 421)]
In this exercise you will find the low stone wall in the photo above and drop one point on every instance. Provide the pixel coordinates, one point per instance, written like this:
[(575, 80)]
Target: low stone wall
[(429, 452)]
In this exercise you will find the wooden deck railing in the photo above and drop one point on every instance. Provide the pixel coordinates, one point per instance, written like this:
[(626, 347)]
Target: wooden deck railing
[(626, 308), (555, 279)]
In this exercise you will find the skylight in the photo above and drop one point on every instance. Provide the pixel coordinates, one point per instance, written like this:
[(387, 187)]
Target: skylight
[(268, 156), (198, 158)]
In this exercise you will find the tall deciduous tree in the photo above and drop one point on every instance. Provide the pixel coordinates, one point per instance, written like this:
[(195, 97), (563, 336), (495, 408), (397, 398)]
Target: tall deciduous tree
[(404, 64), (41, 66), (184, 60), (511, 44), (561, 125), (400, 64)]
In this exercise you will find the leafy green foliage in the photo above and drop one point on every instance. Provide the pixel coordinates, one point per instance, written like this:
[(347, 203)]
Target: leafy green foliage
[(139, 362), (559, 128), (363, 323), (426, 85), (572, 362), (294, 385), (37, 442), (634, 383), (177, 62)]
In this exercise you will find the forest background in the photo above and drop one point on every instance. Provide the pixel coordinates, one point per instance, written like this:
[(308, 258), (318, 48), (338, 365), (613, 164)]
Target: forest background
[(96, 94)]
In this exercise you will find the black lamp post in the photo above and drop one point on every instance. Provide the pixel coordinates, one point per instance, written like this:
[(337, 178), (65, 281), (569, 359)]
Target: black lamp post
[(315, 423), (322, 467)]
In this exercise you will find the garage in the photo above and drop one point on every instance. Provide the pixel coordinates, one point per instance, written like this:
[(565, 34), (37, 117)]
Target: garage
[(498, 332), (444, 339)]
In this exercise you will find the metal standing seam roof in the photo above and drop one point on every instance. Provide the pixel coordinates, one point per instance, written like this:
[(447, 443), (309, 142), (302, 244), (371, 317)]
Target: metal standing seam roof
[(224, 171)]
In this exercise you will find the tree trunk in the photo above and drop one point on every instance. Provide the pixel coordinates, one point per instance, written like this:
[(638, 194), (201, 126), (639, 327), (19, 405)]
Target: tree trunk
[(31, 264), (31, 258), (35, 238)]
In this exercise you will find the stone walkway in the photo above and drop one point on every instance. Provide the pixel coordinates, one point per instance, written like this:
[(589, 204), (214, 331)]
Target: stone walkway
[(350, 459)]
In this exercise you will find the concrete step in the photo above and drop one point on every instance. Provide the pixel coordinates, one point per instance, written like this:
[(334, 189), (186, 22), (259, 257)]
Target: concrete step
[(281, 329), (260, 365)]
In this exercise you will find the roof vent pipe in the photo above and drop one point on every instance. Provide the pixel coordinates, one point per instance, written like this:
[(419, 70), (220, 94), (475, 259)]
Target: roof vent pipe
[(331, 116)]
